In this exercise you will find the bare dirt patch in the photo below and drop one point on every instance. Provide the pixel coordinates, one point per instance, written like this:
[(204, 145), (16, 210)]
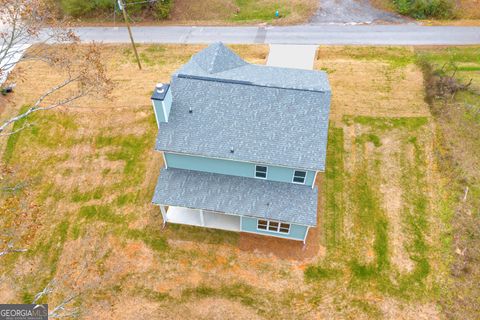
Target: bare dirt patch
[(353, 12), (208, 308)]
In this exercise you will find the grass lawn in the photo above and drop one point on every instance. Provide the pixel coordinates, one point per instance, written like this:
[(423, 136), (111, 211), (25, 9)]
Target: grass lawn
[(84, 178), (222, 12)]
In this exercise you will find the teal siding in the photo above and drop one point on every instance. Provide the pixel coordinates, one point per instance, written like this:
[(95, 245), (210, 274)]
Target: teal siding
[(236, 168), (297, 232), (158, 109), (162, 108)]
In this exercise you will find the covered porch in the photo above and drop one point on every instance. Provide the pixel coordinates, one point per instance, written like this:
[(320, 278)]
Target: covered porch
[(200, 218)]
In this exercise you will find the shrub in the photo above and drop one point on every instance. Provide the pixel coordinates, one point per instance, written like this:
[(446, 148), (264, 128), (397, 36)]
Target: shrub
[(79, 8), (162, 9), (421, 9)]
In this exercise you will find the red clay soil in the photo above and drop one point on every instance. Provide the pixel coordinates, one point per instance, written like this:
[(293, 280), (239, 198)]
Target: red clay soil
[(282, 248), (288, 249)]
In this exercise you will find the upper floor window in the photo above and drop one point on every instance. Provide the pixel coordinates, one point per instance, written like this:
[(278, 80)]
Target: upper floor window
[(299, 176), (261, 172), (273, 226)]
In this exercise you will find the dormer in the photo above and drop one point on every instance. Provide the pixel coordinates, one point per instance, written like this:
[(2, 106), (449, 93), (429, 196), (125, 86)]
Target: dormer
[(162, 102)]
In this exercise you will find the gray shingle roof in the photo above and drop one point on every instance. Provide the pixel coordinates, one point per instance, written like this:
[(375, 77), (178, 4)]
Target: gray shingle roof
[(237, 195), (269, 115)]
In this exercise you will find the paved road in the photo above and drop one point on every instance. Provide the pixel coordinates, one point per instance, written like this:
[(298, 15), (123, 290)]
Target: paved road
[(406, 34)]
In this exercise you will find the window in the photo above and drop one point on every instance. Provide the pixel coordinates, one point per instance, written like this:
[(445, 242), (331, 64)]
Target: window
[(261, 172), (299, 176), (273, 226), (262, 224)]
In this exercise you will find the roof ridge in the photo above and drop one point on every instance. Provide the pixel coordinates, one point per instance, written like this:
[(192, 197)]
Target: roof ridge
[(247, 83)]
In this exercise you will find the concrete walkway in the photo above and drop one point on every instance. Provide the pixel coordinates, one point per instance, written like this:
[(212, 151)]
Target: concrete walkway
[(292, 56)]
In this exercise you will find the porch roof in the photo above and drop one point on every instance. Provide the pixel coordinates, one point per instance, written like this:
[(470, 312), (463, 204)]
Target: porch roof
[(237, 195)]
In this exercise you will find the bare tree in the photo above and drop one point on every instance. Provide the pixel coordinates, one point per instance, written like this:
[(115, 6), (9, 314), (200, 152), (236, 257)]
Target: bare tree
[(62, 310), (27, 22), (10, 249)]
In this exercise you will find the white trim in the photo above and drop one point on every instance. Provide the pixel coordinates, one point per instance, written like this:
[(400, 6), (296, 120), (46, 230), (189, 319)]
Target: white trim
[(164, 214), (202, 218), (276, 235), (314, 179), (164, 111), (268, 226), (255, 172), (306, 234), (236, 160), (241, 223), (165, 160), (155, 112), (304, 178)]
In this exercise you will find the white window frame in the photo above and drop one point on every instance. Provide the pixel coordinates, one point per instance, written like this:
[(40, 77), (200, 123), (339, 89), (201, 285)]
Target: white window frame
[(304, 178), (278, 228), (255, 172)]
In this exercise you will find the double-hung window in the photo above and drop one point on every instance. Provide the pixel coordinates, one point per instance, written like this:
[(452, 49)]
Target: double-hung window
[(273, 226), (261, 172), (299, 176)]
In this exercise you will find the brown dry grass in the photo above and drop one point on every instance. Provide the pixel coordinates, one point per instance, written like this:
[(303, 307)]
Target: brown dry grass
[(128, 267), (373, 82)]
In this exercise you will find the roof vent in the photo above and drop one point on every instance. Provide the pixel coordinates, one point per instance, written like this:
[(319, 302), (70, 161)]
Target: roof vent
[(159, 87), (232, 150), (190, 110)]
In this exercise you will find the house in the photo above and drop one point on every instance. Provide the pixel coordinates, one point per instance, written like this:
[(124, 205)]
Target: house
[(242, 145)]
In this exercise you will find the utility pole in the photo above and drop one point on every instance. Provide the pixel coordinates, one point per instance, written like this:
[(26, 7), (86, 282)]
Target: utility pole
[(122, 6)]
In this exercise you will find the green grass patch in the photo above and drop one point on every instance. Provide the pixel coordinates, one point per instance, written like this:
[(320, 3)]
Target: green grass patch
[(251, 10), (101, 213), (353, 192), (370, 137), (151, 238), (51, 248), (95, 194), (126, 198), (396, 57), (151, 294), (334, 184), (13, 139), (384, 123), (131, 149), (243, 293), (315, 273)]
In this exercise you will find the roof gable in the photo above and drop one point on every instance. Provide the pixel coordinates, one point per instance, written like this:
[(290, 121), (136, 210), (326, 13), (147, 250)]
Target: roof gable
[(217, 58)]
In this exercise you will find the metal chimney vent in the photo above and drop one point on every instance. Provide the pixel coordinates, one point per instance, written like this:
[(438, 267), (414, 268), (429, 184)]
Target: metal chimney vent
[(160, 88)]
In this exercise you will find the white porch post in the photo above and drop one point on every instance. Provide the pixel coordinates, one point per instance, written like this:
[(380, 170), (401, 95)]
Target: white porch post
[(164, 214), (306, 235), (202, 220)]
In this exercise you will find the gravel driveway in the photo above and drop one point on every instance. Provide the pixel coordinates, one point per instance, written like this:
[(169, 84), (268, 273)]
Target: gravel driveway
[(353, 12)]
